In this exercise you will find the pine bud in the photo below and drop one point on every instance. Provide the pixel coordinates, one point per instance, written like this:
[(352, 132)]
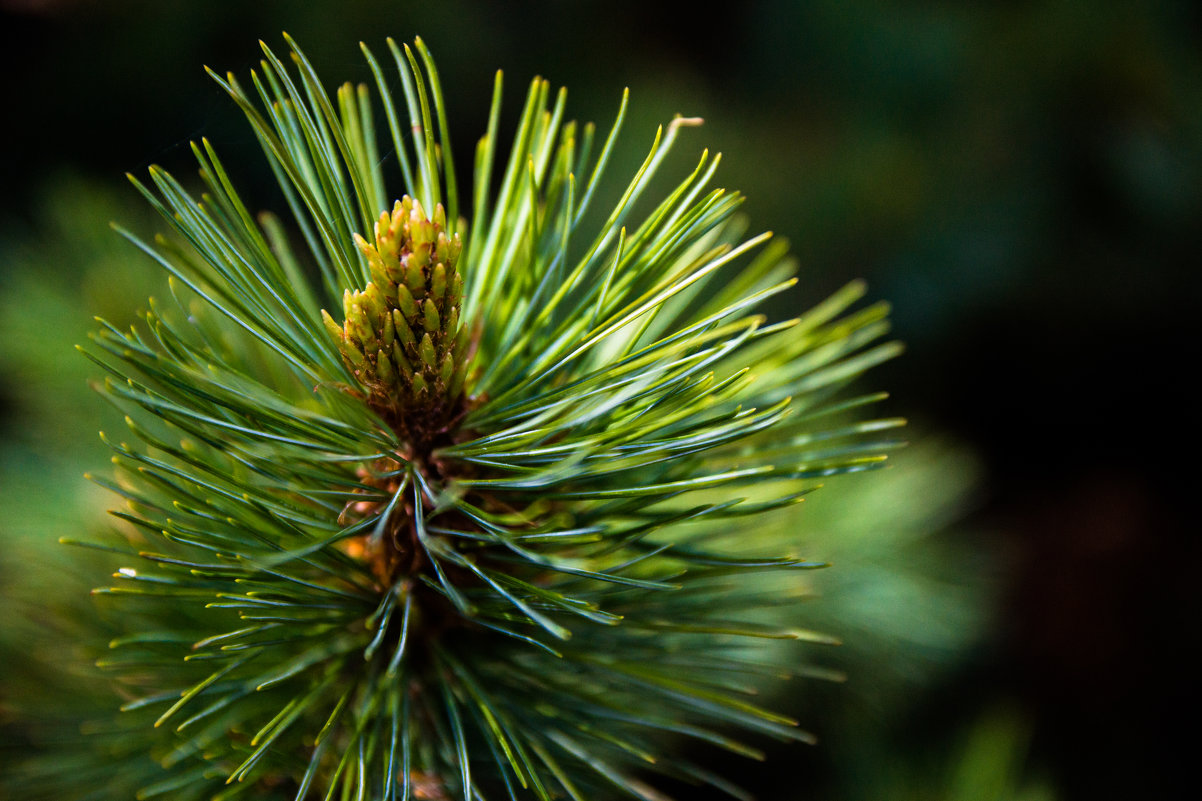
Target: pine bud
[(358, 325), (420, 387), (389, 333), (406, 303), (421, 232), (427, 352), (356, 357), (374, 303), (384, 369), (430, 316), (332, 328), (386, 244), (438, 282), (415, 278), (442, 248), (414, 289), (419, 258), (374, 261), (403, 332)]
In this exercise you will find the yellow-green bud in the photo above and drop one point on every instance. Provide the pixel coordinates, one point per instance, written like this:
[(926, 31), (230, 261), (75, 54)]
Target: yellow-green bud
[(374, 302), (438, 282), (403, 331), (421, 232), (405, 300), (384, 370), (357, 359), (430, 316), (335, 331), (442, 247), (414, 288), (372, 255), (386, 244), (426, 351), (419, 258), (358, 325), (415, 279), (389, 333)]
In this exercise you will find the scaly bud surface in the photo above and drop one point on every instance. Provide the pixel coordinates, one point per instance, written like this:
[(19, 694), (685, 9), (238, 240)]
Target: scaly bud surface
[(400, 334)]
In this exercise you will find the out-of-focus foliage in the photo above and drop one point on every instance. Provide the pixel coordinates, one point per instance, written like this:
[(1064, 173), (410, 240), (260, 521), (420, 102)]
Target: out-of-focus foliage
[(53, 280), (909, 591), (986, 760)]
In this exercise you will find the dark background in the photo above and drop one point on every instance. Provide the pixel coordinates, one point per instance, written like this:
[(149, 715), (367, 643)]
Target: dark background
[(1022, 180)]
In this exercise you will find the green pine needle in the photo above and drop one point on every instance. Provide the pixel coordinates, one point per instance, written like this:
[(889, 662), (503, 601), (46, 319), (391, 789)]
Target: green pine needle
[(452, 506)]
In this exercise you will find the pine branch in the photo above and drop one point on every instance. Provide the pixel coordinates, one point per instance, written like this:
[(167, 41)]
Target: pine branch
[(433, 507)]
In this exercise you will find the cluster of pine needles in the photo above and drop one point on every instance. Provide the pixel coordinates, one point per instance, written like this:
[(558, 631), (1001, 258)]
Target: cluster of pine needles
[(441, 497)]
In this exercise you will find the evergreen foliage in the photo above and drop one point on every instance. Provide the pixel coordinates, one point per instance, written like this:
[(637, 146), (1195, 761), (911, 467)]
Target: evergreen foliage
[(485, 535)]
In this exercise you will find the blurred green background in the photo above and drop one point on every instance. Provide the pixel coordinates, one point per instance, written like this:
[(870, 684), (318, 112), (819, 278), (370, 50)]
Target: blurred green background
[(1022, 180)]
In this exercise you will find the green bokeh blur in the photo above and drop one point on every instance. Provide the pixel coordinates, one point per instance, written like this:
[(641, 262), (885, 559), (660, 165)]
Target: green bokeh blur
[(1022, 180)]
